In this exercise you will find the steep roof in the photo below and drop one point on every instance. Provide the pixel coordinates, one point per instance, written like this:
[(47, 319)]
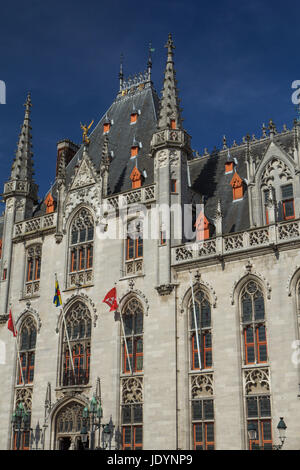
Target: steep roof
[(208, 178), (122, 136)]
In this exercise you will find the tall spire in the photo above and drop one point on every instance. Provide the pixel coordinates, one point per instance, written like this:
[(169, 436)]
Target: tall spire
[(22, 168), (169, 114)]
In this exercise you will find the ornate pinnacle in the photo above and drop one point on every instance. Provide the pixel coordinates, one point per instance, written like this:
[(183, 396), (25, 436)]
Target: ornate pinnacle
[(170, 46)]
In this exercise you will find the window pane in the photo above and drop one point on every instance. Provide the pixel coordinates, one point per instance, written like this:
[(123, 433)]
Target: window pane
[(198, 432), (265, 406), (289, 209), (128, 324), (208, 406), (287, 191), (263, 353), (74, 237), (82, 235), (196, 409), (138, 435), (90, 233), (126, 414), (249, 335), (137, 413), (138, 322), (208, 359), (32, 340), (247, 308), (261, 333), (25, 340), (127, 435), (205, 314), (259, 307), (209, 432), (252, 410), (266, 431), (197, 309)]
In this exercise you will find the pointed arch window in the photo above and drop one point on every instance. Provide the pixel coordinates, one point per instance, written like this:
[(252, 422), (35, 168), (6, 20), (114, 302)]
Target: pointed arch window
[(134, 248), (27, 342), (132, 342), (76, 340), (203, 330), (253, 324), (81, 248)]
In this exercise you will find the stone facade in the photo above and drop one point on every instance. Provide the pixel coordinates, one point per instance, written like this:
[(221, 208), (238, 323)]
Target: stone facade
[(243, 277)]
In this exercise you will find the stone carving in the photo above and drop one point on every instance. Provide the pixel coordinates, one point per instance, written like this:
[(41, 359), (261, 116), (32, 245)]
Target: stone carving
[(24, 395), (165, 289), (256, 381), (139, 294), (201, 385), (161, 159), (83, 298), (288, 231), (275, 165), (132, 390), (84, 176), (29, 311), (251, 274)]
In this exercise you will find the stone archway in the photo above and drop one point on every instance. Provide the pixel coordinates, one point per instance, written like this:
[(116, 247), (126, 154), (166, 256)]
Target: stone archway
[(68, 424)]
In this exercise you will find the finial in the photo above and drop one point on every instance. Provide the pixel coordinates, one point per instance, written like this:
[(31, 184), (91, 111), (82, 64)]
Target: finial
[(272, 129), (121, 75), (224, 142), (28, 105), (264, 131), (170, 46)]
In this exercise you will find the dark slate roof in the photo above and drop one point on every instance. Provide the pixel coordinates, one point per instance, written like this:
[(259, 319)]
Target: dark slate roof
[(121, 137), (208, 178)]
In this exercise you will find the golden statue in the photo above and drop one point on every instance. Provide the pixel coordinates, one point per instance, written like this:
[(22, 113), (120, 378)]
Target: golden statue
[(85, 129)]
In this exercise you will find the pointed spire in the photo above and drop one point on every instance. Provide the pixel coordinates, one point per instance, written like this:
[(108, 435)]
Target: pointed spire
[(61, 171), (121, 75), (22, 168), (104, 166), (169, 114)]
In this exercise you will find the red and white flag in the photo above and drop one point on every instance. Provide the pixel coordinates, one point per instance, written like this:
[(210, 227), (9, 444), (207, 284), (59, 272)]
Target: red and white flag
[(10, 324), (111, 299)]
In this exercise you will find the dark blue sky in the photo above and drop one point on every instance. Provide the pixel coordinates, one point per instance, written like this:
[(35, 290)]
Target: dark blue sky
[(235, 62)]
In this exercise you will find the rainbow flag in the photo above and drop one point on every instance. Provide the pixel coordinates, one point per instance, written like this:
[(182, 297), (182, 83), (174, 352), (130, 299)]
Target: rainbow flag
[(57, 297)]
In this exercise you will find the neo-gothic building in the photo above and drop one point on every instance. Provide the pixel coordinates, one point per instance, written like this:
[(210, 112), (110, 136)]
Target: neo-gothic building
[(174, 383)]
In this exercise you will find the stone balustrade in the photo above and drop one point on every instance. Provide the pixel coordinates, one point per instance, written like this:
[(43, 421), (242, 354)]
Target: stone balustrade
[(252, 239), (142, 195), (35, 225)]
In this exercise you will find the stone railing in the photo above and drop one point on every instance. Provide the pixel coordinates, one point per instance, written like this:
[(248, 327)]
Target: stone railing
[(134, 267), (172, 136), (35, 225), (81, 278), (142, 195), (269, 236)]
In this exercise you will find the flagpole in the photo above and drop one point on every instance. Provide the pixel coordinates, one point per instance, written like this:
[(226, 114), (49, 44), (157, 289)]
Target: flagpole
[(195, 321), (123, 329), (67, 335), (18, 352)]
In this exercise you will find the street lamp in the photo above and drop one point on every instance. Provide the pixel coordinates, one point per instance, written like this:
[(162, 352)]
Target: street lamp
[(107, 434), (91, 417), (20, 421), (281, 427)]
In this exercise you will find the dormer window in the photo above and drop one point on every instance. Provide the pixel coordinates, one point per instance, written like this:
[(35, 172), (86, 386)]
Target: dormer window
[(136, 178), (133, 118), (134, 151), (237, 187), (202, 227), (106, 128), (228, 167), (173, 124), (49, 201)]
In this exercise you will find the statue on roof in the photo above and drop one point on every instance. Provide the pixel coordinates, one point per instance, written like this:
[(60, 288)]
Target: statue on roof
[(85, 128)]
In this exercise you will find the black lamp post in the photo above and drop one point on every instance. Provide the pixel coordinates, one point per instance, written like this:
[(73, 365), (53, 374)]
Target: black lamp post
[(91, 418), (281, 427), (37, 436), (20, 421), (107, 434)]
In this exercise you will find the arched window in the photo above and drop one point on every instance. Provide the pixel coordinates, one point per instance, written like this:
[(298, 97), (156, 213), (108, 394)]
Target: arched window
[(27, 341), (78, 340), (33, 270), (21, 421), (202, 330), (132, 347), (81, 248), (253, 324)]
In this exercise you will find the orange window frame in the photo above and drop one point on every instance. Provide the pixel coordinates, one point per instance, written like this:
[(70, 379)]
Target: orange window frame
[(197, 443), (138, 245), (22, 439), (195, 352), (133, 118), (136, 446), (261, 343), (134, 151), (173, 124), (266, 441), (126, 445), (106, 128), (126, 368), (73, 261), (23, 356), (89, 257), (37, 271), (29, 270), (208, 443), (247, 345), (173, 186), (130, 244), (283, 204), (138, 354), (87, 363), (205, 350), (30, 368), (81, 259)]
